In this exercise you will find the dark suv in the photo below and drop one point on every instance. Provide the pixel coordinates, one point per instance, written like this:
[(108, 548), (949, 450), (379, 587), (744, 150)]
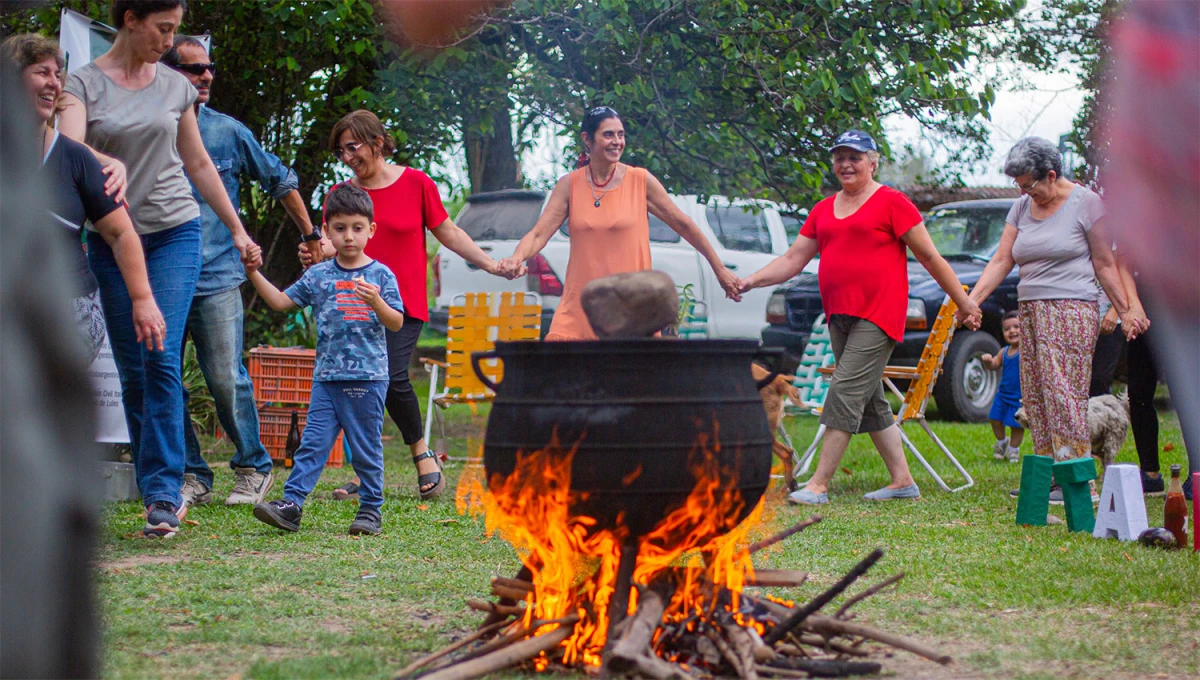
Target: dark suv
[(966, 234)]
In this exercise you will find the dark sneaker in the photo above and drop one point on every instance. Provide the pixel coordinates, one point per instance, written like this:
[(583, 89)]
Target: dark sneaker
[(367, 521), (161, 521), (1153, 486), (280, 514)]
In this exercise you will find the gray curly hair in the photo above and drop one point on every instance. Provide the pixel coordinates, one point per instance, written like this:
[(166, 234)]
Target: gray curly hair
[(1033, 156)]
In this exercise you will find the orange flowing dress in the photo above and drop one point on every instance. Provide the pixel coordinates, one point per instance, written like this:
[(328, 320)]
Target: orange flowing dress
[(611, 239)]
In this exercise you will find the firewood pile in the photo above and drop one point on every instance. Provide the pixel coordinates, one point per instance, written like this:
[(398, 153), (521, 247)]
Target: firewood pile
[(736, 634)]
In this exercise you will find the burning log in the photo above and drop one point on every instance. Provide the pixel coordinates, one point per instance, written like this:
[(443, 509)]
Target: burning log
[(742, 644), (510, 655), (635, 643)]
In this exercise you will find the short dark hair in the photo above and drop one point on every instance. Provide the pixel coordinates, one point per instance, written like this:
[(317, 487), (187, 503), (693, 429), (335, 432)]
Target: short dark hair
[(142, 9), (595, 116), (1010, 314), (27, 49), (348, 200), (171, 57), (364, 127)]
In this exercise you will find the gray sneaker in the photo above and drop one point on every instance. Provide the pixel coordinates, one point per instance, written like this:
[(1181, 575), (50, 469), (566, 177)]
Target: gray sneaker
[(249, 486), (194, 492), (887, 494), (1000, 449)]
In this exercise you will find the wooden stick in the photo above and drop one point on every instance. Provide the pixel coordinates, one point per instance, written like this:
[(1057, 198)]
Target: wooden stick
[(743, 646), (827, 644), (492, 607), (829, 626), (425, 660), (525, 574), (824, 598), (867, 593), (516, 633), (647, 666), (777, 578), (514, 594), (503, 658), (791, 531), (638, 633), (727, 652), (518, 584), (823, 668)]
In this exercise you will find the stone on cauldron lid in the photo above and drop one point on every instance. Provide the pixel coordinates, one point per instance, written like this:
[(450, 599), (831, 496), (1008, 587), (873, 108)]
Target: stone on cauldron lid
[(632, 305)]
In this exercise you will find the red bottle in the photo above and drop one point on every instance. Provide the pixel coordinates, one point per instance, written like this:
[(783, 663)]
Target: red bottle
[(1175, 513)]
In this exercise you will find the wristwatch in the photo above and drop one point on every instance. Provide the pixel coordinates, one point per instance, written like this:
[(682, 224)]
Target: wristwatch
[(308, 238)]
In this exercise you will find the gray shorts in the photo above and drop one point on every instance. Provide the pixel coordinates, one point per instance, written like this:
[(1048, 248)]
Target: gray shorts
[(855, 401)]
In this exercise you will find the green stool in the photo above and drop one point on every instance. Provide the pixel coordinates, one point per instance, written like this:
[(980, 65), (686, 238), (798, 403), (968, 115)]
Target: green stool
[(1074, 476), (1033, 503)]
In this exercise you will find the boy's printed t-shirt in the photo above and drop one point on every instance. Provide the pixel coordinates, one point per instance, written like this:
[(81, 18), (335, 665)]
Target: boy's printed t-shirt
[(351, 344)]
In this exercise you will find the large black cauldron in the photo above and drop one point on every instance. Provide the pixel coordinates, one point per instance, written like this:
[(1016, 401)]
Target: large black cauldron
[(631, 403)]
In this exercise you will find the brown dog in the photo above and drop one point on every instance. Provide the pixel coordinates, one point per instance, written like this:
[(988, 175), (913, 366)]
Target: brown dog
[(773, 397)]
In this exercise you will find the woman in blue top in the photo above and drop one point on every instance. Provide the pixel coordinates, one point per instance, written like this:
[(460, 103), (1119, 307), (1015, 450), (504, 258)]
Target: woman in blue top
[(1008, 397)]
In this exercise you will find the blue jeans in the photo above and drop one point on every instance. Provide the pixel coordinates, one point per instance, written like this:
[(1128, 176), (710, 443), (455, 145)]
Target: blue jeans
[(356, 408), (151, 384), (215, 324)]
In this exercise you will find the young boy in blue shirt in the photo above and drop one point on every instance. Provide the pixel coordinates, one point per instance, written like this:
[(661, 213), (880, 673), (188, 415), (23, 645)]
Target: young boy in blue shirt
[(353, 298), (1008, 395)]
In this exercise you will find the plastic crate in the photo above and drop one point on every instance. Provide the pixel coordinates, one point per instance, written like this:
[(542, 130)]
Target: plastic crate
[(273, 425), (282, 376)]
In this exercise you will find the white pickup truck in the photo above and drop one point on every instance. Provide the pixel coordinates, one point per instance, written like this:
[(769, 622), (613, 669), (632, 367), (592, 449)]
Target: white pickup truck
[(746, 234)]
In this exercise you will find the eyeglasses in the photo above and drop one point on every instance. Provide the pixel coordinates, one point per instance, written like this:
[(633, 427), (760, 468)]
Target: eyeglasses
[(1026, 187), (351, 148), (198, 69)]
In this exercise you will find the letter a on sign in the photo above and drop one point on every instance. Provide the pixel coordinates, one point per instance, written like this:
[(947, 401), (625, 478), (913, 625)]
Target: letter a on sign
[(1122, 511)]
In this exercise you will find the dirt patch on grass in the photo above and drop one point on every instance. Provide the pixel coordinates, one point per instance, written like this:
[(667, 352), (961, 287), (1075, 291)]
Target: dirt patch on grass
[(135, 561), (335, 626)]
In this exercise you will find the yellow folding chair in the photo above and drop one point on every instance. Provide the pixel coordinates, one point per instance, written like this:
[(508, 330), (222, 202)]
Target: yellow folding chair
[(922, 379), (476, 321)]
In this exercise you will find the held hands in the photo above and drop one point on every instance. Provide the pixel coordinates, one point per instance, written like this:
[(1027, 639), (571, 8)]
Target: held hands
[(730, 283), (254, 253), (1134, 322), (969, 315), (148, 323), (306, 255), (1109, 323), (117, 182), (510, 268), (251, 253)]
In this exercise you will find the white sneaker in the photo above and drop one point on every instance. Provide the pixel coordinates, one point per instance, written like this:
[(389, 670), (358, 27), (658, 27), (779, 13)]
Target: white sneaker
[(1000, 449), (194, 492), (249, 486)]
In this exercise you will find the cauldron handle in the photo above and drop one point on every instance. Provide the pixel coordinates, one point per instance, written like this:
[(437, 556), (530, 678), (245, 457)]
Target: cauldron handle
[(477, 357), (764, 353)]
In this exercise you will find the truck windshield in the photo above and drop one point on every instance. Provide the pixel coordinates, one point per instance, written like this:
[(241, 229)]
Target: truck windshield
[(966, 231), (503, 220)]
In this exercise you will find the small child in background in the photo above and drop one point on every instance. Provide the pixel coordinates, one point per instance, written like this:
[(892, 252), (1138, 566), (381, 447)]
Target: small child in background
[(1008, 396), (354, 298)]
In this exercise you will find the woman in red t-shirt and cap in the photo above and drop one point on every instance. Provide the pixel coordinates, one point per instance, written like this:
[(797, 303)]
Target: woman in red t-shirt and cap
[(406, 203), (862, 234)]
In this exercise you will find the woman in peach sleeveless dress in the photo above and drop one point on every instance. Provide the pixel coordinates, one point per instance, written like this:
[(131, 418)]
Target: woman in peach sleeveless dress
[(606, 204)]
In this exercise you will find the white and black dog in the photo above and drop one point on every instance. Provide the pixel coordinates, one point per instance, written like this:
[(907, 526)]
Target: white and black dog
[(1108, 425)]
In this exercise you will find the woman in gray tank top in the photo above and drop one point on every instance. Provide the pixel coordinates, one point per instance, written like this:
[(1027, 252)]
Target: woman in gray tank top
[(1055, 232), (126, 106)]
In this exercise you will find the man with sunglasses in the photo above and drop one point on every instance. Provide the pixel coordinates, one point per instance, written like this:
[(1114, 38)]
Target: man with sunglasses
[(215, 319)]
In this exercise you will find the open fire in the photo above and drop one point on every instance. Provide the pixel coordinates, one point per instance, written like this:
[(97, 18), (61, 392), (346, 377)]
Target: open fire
[(670, 603)]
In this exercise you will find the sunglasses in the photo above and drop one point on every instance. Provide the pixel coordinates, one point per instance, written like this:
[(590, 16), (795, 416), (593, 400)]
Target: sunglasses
[(602, 110), (198, 69)]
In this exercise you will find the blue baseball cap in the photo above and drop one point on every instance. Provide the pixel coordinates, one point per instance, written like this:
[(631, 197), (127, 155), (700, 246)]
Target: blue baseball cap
[(855, 139)]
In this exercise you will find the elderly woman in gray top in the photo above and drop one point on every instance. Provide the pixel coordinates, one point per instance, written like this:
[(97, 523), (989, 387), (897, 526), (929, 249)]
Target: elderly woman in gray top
[(1055, 232)]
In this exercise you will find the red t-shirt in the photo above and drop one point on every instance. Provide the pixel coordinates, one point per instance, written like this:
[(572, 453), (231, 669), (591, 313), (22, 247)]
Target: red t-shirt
[(864, 264), (403, 211)]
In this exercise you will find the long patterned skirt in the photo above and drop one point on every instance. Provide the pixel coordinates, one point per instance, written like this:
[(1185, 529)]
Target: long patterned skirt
[(1058, 338)]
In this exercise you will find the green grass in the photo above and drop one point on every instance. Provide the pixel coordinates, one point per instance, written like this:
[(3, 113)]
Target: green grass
[(233, 597)]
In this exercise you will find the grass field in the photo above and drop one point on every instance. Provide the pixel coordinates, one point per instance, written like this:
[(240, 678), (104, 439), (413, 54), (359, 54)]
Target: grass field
[(230, 597)]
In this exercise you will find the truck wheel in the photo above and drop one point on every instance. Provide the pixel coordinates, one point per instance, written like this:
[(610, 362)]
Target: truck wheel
[(966, 388)]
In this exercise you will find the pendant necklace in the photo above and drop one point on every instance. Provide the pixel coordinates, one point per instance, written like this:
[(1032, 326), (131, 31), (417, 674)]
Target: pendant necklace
[(592, 185)]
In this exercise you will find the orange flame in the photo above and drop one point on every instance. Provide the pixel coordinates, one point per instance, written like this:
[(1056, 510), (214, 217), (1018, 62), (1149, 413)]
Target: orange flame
[(574, 566)]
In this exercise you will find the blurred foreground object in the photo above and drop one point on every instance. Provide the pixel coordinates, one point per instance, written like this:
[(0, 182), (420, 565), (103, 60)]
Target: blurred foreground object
[(1152, 182), (431, 23), (48, 462)]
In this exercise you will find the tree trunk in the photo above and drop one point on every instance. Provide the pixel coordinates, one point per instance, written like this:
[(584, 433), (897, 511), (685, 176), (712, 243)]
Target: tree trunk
[(492, 162)]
